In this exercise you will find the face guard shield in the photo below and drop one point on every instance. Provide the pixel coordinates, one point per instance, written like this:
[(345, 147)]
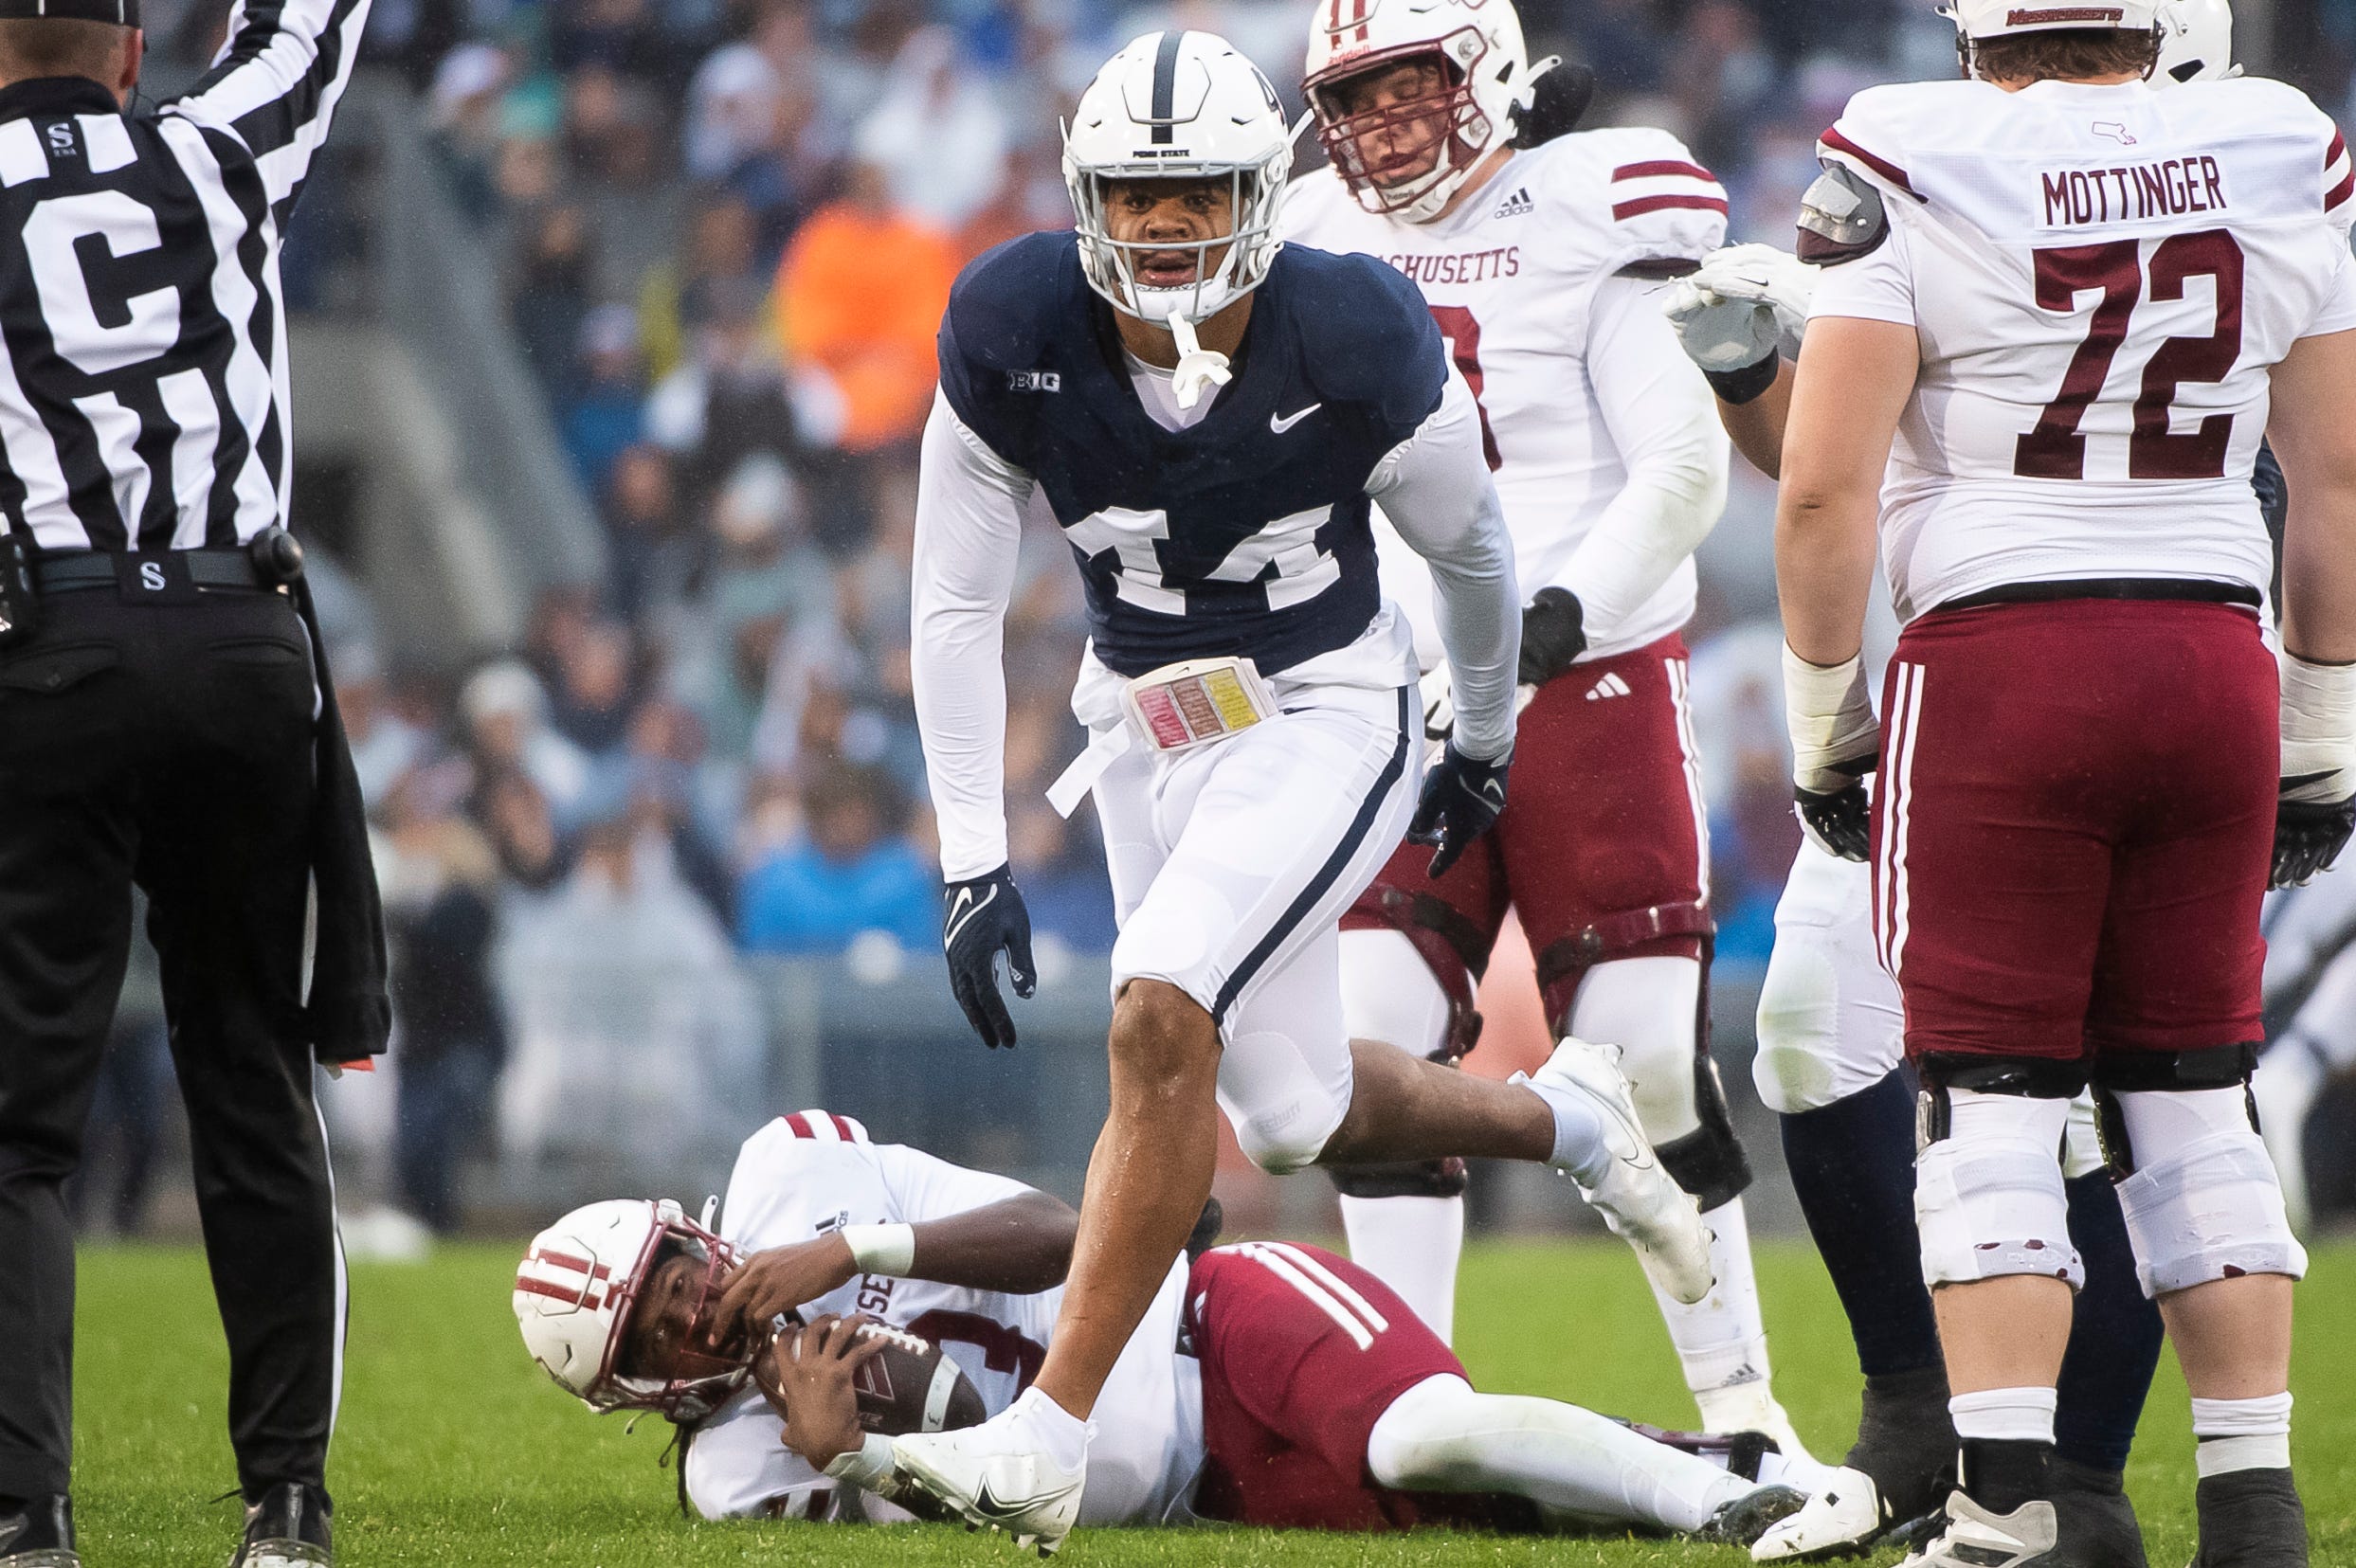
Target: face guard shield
[(1226, 267), (1447, 130)]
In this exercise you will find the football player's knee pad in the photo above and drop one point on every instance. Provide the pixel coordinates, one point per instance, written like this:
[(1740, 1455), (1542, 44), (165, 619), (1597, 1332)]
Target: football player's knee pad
[(1283, 1118), (1988, 1194), (1652, 1008), (1830, 1023), (1709, 1162), (2200, 1195), (1409, 1179), (1676, 931), (1386, 999)]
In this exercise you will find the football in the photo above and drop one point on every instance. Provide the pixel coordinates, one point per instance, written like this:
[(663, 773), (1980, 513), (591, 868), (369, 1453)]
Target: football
[(909, 1386)]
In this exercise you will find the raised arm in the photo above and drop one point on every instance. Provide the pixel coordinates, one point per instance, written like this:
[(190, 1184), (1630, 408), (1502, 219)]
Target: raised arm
[(1739, 318), (276, 83)]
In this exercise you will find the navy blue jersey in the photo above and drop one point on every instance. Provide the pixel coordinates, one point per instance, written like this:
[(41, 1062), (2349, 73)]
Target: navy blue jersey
[(1245, 534)]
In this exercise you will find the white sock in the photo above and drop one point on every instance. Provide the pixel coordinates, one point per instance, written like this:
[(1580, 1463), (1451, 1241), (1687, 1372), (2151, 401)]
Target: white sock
[(1721, 1339), (2004, 1414), (1062, 1436), (2242, 1434), (1412, 1245), (1440, 1435)]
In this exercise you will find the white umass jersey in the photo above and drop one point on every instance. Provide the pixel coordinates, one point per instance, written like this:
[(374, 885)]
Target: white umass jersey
[(809, 1173), (2101, 277), (1543, 274)]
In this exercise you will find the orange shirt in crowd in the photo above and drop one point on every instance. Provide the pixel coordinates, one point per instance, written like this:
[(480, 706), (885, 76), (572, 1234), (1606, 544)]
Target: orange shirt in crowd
[(860, 294)]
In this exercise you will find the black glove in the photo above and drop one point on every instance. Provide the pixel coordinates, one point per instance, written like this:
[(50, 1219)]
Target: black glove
[(1839, 821), (2309, 835), (983, 918), (1460, 801), (1553, 635)]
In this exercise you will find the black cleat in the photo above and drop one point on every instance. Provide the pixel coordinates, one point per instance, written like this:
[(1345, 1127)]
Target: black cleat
[(2097, 1521), (1751, 1515), (38, 1533), (2251, 1518), (1906, 1441), (288, 1528)]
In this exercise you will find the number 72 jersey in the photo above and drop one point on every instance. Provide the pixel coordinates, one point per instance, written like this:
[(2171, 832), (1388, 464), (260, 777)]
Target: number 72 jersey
[(2101, 279)]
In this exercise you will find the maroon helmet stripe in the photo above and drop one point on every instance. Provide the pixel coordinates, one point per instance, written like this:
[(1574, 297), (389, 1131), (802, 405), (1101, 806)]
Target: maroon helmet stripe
[(1659, 167), (586, 1297), (1657, 204), (1888, 171), (578, 1265)]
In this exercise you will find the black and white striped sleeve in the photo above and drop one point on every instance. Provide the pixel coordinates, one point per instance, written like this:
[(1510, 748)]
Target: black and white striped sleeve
[(276, 83)]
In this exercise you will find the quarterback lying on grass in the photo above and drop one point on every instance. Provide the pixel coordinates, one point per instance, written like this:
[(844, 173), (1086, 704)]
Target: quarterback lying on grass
[(1272, 1384)]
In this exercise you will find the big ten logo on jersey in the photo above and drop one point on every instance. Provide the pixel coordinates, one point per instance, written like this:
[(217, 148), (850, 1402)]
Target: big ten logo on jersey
[(1034, 381)]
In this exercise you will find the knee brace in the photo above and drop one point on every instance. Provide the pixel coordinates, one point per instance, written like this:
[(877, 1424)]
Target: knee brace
[(1709, 1162), (1628, 933), (1449, 945), (1988, 1196), (2201, 1198)]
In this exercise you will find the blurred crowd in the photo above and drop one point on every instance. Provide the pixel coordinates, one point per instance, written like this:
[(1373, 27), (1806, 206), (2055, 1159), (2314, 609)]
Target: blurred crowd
[(726, 230)]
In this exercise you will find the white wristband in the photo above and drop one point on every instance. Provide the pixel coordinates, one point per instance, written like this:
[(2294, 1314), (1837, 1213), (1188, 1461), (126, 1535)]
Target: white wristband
[(887, 1249), (1831, 721), (865, 1466), (2318, 730)]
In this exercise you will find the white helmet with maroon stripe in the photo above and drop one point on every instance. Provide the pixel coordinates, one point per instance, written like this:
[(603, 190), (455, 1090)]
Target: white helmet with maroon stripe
[(1485, 76), (576, 1290), (2005, 18)]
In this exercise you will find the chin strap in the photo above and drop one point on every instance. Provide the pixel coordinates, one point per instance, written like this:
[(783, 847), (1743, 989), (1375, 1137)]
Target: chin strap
[(1198, 366)]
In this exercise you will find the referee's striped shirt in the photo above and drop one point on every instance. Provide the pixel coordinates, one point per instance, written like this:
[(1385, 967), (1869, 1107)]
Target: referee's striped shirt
[(143, 384)]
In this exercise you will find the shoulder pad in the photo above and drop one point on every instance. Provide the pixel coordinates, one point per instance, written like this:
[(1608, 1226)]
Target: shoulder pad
[(1004, 306), (1842, 218), (1366, 335)]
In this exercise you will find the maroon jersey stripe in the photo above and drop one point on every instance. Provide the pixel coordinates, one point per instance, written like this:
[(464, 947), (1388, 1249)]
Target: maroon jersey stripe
[(1659, 167), (1655, 204), (1888, 171)]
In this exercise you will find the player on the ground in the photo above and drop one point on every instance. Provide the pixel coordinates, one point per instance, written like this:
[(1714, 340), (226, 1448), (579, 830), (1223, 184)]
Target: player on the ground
[(1269, 1383), (1541, 265), (1209, 415), (2079, 305)]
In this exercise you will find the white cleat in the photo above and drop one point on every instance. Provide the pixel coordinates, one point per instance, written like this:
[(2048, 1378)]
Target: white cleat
[(1845, 1516), (1974, 1538), (1634, 1195), (994, 1477)]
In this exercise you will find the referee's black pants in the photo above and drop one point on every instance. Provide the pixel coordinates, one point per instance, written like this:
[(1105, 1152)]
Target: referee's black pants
[(170, 745)]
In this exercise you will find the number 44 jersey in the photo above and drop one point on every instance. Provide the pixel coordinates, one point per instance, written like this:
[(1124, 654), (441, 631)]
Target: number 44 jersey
[(2101, 277), (1546, 284)]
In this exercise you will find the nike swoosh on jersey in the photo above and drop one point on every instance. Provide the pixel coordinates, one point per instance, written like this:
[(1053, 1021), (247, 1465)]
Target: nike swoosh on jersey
[(1285, 423), (962, 916)]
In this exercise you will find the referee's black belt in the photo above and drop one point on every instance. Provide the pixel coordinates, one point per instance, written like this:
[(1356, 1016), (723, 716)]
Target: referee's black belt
[(198, 568), (2197, 590)]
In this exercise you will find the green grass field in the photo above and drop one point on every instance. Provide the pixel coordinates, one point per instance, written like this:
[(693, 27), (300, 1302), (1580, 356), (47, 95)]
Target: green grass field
[(454, 1453)]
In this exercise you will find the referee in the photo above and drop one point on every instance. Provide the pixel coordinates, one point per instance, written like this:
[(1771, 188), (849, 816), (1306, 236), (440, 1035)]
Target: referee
[(165, 719)]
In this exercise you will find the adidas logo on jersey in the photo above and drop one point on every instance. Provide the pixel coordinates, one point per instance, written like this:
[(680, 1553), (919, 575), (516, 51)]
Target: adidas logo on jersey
[(1610, 685), (1516, 204)]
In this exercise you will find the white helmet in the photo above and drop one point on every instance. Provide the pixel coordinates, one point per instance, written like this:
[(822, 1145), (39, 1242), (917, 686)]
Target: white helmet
[(1179, 105), (2005, 18), (1478, 46), (2196, 41), (574, 1292)]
